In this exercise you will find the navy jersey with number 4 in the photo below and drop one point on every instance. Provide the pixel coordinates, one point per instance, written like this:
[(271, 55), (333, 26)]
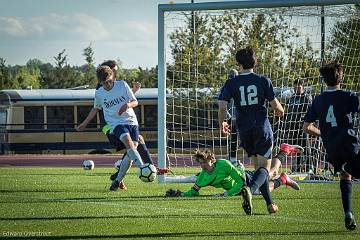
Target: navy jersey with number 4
[(334, 109), (249, 91)]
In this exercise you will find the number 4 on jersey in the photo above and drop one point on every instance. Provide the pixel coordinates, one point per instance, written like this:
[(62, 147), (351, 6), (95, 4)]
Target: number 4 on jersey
[(330, 116)]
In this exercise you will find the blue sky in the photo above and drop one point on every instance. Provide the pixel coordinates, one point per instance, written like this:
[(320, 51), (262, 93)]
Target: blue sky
[(117, 29)]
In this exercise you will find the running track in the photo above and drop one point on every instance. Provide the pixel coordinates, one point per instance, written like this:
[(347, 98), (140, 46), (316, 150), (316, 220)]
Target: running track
[(73, 160)]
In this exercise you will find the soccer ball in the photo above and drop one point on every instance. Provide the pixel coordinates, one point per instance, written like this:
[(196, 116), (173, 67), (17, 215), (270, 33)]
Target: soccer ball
[(117, 164), (88, 165), (147, 172)]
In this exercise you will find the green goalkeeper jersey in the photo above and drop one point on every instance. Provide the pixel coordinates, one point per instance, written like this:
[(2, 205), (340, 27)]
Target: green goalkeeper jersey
[(224, 175)]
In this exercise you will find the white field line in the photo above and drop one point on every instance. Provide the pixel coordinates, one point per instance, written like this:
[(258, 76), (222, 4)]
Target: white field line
[(135, 206)]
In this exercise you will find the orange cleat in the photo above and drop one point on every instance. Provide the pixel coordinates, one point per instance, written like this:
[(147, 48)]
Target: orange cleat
[(272, 208), (285, 180), (291, 149)]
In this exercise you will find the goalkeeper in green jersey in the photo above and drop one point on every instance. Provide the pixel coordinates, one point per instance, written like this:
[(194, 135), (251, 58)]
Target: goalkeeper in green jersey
[(222, 174)]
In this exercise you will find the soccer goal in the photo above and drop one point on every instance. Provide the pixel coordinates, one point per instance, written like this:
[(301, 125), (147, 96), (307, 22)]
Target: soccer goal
[(293, 38)]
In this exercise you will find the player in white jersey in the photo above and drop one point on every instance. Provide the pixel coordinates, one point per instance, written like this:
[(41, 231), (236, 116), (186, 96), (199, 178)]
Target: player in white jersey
[(117, 101)]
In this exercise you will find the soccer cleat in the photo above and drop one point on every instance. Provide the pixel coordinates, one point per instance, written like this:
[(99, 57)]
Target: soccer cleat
[(285, 180), (162, 171), (350, 223), (291, 149), (247, 200), (272, 208), (114, 185), (122, 185), (113, 176)]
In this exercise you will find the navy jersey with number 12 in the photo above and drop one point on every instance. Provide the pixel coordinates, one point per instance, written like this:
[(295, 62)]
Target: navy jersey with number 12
[(249, 91)]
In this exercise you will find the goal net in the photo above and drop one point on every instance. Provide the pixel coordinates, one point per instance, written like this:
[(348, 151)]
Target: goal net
[(197, 45)]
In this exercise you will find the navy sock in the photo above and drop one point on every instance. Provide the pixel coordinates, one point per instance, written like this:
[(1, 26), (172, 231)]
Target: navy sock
[(277, 183), (260, 181), (346, 191), (144, 153), (264, 188)]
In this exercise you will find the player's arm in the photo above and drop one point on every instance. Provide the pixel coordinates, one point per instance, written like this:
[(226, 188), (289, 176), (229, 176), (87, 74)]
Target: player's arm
[(86, 121), (311, 129), (223, 125), (193, 192), (131, 104), (276, 106), (136, 87)]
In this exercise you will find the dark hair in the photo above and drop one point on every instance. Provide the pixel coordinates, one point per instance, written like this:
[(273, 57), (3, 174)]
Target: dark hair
[(205, 154), (103, 73), (332, 73), (299, 81), (109, 63), (246, 57)]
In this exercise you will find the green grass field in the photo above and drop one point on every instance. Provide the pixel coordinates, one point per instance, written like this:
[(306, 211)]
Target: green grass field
[(70, 203)]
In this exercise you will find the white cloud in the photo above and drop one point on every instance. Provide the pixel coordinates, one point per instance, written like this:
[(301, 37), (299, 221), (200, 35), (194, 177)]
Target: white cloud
[(55, 26)]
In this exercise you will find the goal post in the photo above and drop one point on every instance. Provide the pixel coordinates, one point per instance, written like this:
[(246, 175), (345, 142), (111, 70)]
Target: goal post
[(294, 38)]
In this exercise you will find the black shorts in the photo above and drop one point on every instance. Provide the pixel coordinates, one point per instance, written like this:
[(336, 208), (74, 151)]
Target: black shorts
[(345, 152), (257, 141)]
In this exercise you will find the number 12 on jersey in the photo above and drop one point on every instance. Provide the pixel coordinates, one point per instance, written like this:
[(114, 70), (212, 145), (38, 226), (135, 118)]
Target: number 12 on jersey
[(250, 97)]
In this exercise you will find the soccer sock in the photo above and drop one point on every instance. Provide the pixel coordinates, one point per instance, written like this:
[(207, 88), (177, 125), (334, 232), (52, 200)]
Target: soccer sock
[(277, 183), (346, 192), (135, 156), (144, 153), (281, 156), (264, 188), (258, 179), (124, 167)]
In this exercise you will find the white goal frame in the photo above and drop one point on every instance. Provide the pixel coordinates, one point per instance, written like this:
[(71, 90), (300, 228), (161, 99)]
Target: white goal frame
[(163, 8)]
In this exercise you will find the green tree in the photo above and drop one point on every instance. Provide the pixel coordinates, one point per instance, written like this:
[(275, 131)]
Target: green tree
[(27, 78), (345, 46), (63, 75), (4, 75), (90, 75)]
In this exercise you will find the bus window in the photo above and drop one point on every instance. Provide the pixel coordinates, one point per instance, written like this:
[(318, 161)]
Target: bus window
[(34, 117), (58, 115), (137, 111), (150, 115), (3, 117), (82, 112)]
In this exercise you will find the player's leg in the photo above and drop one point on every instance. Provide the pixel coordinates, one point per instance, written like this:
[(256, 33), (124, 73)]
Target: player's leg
[(119, 146), (346, 195), (144, 151), (129, 135), (283, 179), (285, 150), (130, 138)]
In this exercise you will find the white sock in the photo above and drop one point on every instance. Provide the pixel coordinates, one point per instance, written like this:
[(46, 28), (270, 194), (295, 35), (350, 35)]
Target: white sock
[(135, 156), (124, 168)]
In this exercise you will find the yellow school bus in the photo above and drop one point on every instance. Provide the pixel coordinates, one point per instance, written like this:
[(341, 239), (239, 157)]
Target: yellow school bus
[(44, 121)]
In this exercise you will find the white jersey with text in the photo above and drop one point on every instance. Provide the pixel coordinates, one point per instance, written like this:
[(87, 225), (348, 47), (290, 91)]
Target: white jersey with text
[(111, 101)]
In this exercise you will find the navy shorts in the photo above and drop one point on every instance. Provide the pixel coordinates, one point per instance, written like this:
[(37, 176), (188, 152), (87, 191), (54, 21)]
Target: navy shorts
[(257, 141), (117, 143), (345, 151), (132, 130)]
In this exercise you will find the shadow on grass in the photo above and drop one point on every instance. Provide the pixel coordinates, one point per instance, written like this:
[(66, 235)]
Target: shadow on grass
[(197, 235)]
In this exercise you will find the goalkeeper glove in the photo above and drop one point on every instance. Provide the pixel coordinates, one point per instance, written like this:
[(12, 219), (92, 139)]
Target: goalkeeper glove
[(173, 193)]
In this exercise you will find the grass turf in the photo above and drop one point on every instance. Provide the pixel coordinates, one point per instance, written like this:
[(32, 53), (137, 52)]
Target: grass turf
[(70, 203)]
